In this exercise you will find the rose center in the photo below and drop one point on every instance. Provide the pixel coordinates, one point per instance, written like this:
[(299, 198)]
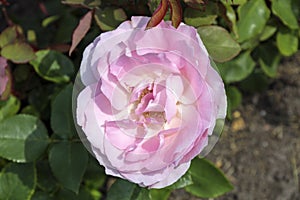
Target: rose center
[(144, 92), (160, 116), (139, 110)]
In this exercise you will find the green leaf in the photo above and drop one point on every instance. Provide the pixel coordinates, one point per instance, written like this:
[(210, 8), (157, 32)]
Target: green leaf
[(95, 173), (23, 138), (49, 20), (231, 16), (22, 72), (256, 82), (66, 25), (184, 181), (198, 4), (46, 180), (18, 52), (90, 3), (234, 96), (9, 107), (238, 68), (93, 3), (267, 32), (234, 2), (68, 195), (253, 17), (68, 162), (196, 18), (9, 35), (234, 99), (268, 58), (220, 45), (18, 181), (12, 188), (53, 66), (295, 4), (94, 178), (161, 194), (42, 196), (283, 10), (62, 121), (31, 110), (109, 18), (39, 98), (122, 189), (141, 194), (250, 44), (287, 41), (74, 1), (31, 37), (209, 182)]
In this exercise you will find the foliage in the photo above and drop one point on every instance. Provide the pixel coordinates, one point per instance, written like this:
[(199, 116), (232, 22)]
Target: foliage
[(41, 156)]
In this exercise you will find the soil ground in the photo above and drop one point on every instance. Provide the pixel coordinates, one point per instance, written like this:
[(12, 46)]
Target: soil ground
[(259, 150)]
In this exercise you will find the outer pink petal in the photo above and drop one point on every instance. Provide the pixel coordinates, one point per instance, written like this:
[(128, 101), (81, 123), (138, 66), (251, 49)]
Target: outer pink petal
[(87, 69), (147, 179), (145, 156), (172, 40), (84, 97), (202, 54), (139, 21), (206, 107), (158, 179), (102, 159), (103, 44), (175, 174), (198, 146), (92, 126), (218, 92)]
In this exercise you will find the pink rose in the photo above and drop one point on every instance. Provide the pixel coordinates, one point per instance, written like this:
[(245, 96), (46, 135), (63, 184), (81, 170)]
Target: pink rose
[(150, 101), (3, 75)]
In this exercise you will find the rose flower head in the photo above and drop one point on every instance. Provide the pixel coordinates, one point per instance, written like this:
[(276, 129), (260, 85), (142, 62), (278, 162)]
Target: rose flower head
[(147, 101)]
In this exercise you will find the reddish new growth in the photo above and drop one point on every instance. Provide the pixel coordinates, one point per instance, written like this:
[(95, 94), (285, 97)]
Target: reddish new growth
[(160, 12)]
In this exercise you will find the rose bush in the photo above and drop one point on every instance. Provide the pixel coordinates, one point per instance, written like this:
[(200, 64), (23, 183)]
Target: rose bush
[(150, 101)]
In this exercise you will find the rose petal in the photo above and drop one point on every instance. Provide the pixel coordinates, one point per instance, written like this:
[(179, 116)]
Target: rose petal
[(118, 96), (82, 101), (215, 82), (175, 85), (191, 128), (87, 68), (143, 104), (176, 173), (198, 146), (123, 134)]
